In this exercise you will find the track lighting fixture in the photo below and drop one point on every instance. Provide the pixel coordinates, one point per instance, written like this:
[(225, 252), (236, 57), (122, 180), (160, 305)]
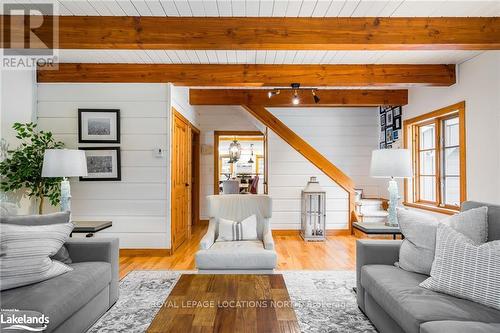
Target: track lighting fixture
[(295, 88), (273, 93), (295, 99), (315, 97)]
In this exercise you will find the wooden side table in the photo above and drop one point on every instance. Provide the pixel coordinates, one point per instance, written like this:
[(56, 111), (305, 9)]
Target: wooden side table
[(90, 227)]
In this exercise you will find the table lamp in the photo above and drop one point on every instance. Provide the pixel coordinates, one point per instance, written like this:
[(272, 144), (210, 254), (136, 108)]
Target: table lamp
[(64, 163), (391, 163)]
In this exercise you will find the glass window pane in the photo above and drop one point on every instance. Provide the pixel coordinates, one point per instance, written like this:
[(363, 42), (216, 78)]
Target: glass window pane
[(428, 188), (451, 162), (427, 136), (451, 132), (452, 191), (428, 162)]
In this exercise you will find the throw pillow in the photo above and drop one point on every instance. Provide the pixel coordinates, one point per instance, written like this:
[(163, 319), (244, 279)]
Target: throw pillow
[(417, 250), (62, 254), (238, 231), (26, 251), (464, 269)]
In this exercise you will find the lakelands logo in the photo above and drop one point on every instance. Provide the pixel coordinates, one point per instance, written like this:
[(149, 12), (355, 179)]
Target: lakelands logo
[(29, 35), (19, 320)]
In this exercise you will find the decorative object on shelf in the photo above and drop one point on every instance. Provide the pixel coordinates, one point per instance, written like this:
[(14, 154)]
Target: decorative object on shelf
[(234, 151), (98, 126), (358, 194), (391, 163), (22, 167), (103, 164), (64, 163), (313, 211)]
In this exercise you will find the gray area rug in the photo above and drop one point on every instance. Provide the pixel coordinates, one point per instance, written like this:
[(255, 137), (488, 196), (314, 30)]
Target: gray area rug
[(323, 301)]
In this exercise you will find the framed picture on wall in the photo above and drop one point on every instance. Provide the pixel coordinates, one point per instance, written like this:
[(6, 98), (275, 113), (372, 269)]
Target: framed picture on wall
[(103, 164), (397, 123), (388, 118), (395, 135), (396, 111), (382, 145), (388, 135), (382, 120), (98, 126)]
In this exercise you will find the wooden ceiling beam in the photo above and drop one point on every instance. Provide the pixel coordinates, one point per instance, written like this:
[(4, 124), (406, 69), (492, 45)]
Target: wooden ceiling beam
[(328, 97), (256, 75), (247, 33)]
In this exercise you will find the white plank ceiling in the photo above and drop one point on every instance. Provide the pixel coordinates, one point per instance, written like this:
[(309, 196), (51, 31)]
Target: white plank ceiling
[(271, 8), (275, 8), (265, 57)]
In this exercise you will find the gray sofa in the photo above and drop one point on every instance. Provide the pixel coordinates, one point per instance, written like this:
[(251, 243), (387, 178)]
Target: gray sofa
[(75, 300), (394, 302)]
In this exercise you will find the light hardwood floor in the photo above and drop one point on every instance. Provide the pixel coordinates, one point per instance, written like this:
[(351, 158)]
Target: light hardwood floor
[(337, 253)]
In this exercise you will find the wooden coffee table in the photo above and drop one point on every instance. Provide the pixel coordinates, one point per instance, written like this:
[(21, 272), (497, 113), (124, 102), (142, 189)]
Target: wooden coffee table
[(227, 303)]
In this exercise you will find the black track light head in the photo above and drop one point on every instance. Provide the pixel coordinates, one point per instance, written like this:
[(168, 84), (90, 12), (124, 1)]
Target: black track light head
[(315, 97)]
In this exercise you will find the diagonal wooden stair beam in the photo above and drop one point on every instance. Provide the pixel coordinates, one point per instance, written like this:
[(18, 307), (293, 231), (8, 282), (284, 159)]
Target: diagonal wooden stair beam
[(306, 150)]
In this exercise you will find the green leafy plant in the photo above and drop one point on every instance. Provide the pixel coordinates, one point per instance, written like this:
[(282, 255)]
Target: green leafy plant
[(22, 168)]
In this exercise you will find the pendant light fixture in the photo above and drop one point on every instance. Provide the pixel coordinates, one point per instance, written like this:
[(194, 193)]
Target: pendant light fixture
[(234, 151), (251, 156)]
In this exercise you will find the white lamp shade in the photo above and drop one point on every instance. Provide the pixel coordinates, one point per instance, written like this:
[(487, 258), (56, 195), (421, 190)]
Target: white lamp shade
[(64, 163), (387, 163)]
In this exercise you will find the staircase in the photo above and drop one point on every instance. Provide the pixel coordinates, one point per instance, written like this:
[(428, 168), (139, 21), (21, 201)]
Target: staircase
[(371, 210)]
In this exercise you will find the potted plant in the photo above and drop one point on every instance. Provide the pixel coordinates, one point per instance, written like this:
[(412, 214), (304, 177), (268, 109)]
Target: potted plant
[(21, 168)]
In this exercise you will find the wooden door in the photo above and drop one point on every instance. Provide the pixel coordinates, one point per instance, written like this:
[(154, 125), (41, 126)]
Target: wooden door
[(181, 192)]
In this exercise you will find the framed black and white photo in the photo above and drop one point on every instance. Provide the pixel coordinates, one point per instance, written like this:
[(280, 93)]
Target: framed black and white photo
[(98, 126), (388, 135), (396, 111), (397, 123), (382, 120), (388, 118), (103, 164), (382, 145)]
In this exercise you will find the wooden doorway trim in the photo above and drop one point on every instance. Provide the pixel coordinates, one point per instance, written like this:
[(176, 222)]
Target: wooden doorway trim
[(192, 181), (217, 135), (195, 175)]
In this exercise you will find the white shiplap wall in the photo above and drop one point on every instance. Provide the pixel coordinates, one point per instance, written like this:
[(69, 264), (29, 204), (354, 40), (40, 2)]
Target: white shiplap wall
[(346, 136), (137, 204), (217, 118)]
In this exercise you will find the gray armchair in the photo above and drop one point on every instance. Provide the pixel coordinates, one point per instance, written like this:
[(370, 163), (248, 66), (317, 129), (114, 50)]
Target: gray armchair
[(257, 256)]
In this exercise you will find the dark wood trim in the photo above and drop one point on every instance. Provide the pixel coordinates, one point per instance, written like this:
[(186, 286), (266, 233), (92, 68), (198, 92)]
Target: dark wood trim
[(329, 97), (267, 33), (146, 252), (254, 75)]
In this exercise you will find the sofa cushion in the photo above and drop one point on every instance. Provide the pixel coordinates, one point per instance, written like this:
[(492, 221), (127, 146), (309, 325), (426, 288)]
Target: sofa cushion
[(236, 255), (449, 326), (62, 296), (55, 218), (493, 217), (398, 293)]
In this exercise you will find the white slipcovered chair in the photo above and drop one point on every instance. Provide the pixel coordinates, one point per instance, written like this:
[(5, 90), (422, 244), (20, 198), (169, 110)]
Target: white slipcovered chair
[(251, 257)]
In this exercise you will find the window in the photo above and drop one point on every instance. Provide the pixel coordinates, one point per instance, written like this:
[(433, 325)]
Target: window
[(437, 140)]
